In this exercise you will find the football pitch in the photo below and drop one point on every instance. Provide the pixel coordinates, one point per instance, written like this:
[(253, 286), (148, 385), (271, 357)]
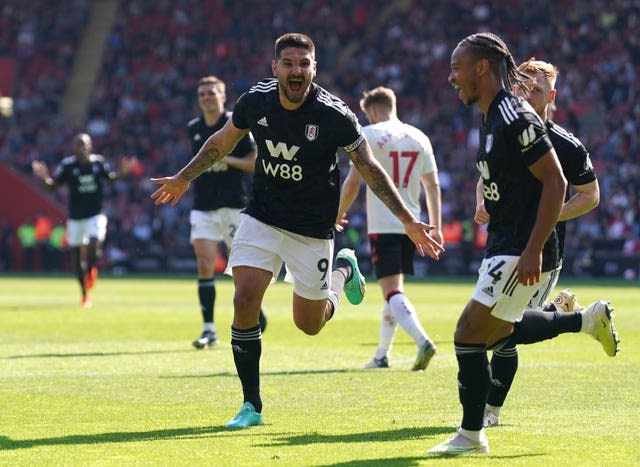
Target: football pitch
[(120, 384)]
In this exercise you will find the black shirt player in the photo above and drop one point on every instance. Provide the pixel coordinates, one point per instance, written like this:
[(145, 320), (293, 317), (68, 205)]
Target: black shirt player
[(523, 188), (298, 128), (219, 195), (535, 324), (85, 174), (296, 184)]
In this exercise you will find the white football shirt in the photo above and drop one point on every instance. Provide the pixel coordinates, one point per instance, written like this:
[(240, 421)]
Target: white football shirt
[(406, 154)]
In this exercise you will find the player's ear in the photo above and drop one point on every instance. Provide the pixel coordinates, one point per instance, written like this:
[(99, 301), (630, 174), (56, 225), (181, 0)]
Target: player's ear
[(482, 66), (274, 64)]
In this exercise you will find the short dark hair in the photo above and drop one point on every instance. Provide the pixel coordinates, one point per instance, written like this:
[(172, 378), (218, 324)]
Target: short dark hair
[(490, 47), (217, 82), (294, 39)]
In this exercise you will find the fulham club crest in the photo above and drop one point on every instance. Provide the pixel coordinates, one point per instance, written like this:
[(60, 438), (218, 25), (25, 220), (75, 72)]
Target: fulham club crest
[(488, 144), (311, 132)]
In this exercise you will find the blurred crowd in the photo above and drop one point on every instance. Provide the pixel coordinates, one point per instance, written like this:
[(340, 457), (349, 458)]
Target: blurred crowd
[(144, 96)]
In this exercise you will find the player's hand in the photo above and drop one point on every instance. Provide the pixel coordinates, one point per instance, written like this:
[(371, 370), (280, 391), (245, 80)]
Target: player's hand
[(418, 232), (340, 223), (529, 267), (171, 190), (481, 216), (436, 234), (40, 169)]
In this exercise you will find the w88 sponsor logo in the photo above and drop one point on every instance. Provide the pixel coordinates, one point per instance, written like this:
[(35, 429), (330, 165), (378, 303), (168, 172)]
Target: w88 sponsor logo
[(284, 169)]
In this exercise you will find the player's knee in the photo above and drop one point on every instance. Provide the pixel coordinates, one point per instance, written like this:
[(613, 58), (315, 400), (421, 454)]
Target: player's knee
[(307, 326), (243, 303)]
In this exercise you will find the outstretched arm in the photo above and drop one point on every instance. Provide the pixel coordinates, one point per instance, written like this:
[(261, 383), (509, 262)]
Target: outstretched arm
[(41, 171), (380, 183), (214, 148)]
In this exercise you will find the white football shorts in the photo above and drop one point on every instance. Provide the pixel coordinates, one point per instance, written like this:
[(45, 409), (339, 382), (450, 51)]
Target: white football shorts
[(309, 261), (218, 225), (498, 287), (545, 287), (80, 230)]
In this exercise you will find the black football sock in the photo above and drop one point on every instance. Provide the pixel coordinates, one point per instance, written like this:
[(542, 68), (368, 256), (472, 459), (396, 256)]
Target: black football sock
[(536, 326), (504, 365), (246, 345), (474, 381), (207, 296)]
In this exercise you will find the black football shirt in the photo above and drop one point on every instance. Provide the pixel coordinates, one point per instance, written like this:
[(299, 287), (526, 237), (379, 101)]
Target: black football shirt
[(512, 138), (575, 162), (296, 184), (85, 183), (220, 185)]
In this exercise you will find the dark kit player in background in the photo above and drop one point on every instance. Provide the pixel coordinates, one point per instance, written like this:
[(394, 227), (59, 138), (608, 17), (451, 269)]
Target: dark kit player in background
[(84, 173), (220, 193)]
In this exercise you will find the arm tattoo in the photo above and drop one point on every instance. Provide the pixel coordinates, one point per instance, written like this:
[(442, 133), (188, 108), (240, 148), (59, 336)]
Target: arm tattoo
[(205, 158), (378, 180)]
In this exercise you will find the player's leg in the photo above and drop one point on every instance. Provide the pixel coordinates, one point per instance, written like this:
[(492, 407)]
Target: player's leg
[(96, 231), (504, 361), (204, 238), (405, 315), (254, 262), (91, 258), (227, 221), (78, 271), (392, 257), (595, 320), (475, 327), (317, 287), (486, 320), (205, 251), (388, 327), (75, 239), (246, 341), (564, 315), (386, 267)]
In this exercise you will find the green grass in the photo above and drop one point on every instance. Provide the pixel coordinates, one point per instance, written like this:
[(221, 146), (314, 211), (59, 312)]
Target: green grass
[(121, 385)]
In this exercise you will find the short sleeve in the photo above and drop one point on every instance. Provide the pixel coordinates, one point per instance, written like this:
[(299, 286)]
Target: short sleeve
[(530, 137), (580, 170), (242, 111), (350, 133), (246, 145)]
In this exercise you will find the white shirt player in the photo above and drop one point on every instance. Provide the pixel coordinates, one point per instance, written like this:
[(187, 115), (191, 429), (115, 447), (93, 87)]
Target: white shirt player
[(406, 154)]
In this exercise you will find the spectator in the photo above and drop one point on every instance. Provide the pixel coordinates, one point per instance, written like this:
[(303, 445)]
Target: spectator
[(27, 238)]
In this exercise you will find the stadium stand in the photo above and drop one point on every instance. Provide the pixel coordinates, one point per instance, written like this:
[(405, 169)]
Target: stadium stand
[(154, 51)]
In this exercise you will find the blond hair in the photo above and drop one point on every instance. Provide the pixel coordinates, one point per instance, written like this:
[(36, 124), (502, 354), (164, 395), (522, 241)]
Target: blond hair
[(533, 67), (379, 96)]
